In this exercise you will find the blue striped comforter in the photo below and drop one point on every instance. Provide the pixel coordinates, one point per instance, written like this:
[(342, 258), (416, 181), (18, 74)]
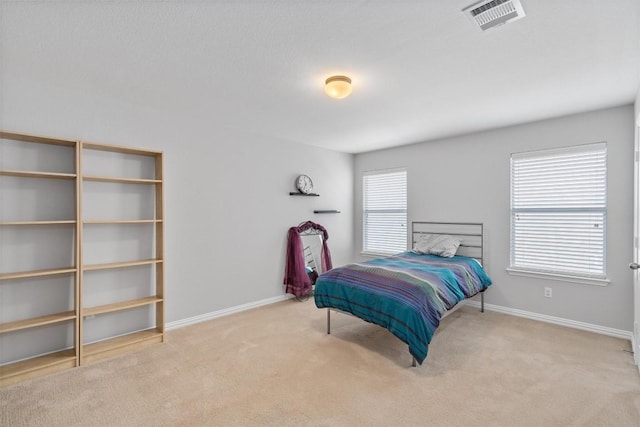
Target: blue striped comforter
[(406, 293)]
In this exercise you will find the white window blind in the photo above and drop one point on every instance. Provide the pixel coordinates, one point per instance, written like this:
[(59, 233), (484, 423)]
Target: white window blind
[(385, 212), (559, 211)]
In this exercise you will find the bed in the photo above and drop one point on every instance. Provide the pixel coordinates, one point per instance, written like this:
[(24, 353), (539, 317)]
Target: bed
[(409, 293)]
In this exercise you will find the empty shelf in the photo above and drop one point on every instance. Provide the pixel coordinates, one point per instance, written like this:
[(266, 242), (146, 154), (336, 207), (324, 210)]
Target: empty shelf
[(46, 222), (122, 221), (36, 273), (33, 174), (37, 321), (123, 305), (121, 344), (121, 264), (121, 180), (25, 369)]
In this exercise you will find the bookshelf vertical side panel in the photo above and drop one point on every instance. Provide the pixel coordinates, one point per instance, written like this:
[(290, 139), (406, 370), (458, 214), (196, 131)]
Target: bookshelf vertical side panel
[(159, 236), (78, 256)]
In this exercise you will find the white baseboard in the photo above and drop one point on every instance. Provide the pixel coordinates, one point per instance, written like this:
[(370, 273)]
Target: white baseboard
[(225, 312), (618, 333)]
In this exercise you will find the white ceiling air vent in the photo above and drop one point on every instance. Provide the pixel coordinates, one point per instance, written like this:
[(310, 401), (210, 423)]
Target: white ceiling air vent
[(491, 13)]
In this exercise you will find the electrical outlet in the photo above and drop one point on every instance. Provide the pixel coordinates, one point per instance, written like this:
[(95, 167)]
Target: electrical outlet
[(548, 293)]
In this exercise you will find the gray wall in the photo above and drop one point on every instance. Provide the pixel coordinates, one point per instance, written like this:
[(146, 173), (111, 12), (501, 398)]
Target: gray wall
[(466, 178), (637, 107), (228, 208), (227, 199)]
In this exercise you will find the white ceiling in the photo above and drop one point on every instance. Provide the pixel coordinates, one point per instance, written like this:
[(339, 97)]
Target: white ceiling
[(421, 69)]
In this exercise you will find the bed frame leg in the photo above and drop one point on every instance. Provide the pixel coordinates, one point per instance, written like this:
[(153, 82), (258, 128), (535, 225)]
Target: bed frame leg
[(413, 362), (481, 302), (328, 321)]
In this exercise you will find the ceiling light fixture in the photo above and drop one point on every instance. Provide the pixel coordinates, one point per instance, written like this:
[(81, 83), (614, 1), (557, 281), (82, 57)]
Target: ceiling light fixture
[(338, 87)]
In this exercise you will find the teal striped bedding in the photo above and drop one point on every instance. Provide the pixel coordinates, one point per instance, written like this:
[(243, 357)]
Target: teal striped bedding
[(406, 293)]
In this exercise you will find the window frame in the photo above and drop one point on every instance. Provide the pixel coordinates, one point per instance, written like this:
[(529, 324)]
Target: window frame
[(367, 250), (550, 273)]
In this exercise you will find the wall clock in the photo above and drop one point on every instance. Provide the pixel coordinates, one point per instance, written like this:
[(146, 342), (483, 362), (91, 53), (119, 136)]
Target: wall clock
[(304, 184)]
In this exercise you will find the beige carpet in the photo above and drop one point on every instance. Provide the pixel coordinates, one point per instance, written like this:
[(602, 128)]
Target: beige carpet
[(276, 366)]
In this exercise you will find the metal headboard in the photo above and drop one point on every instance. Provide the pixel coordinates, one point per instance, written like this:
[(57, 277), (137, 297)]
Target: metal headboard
[(471, 235)]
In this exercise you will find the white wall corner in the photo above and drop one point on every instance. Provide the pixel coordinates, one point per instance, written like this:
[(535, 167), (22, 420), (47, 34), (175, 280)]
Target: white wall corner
[(635, 346)]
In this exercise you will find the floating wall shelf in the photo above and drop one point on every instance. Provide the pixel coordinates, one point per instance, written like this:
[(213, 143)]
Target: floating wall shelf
[(326, 211), (296, 193)]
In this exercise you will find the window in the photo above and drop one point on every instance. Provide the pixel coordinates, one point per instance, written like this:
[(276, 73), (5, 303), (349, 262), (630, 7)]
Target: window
[(559, 211), (384, 212)]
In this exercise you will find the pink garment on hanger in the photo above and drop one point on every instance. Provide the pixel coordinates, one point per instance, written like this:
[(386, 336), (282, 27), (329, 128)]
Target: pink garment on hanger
[(296, 279)]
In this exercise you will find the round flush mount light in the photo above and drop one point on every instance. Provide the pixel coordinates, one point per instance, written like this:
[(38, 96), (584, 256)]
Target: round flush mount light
[(338, 87)]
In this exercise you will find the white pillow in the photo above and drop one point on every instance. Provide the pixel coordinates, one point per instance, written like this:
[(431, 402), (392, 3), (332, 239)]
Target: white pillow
[(437, 244)]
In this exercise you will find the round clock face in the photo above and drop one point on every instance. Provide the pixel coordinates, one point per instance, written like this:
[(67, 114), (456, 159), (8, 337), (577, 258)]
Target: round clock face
[(304, 184)]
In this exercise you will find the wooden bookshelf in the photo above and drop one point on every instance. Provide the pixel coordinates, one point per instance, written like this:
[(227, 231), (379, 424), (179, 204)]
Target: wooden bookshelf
[(64, 357), (68, 357), (104, 348)]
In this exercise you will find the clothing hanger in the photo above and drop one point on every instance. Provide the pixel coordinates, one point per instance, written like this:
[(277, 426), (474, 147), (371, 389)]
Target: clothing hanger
[(310, 231)]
